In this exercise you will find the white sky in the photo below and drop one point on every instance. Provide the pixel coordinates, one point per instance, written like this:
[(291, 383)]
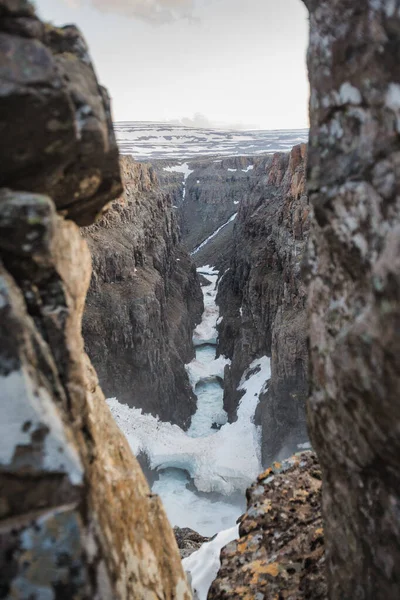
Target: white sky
[(238, 62)]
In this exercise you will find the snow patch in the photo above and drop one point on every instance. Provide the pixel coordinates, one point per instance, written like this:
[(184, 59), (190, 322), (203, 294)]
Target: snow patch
[(249, 168), (204, 564), (207, 270), (206, 331), (349, 94), (25, 409), (182, 168), (212, 236)]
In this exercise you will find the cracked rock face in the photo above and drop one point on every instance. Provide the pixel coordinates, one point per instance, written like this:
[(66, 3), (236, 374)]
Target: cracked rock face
[(143, 302), (354, 289), (77, 519)]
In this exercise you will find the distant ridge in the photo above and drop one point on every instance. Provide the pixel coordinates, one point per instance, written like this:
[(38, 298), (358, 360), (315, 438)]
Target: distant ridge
[(149, 140)]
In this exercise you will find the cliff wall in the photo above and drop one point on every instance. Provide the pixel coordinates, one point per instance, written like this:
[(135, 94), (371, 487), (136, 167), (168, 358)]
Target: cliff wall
[(262, 299), (144, 300), (354, 289)]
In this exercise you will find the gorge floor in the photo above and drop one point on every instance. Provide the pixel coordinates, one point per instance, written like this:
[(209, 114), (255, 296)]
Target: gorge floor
[(202, 474)]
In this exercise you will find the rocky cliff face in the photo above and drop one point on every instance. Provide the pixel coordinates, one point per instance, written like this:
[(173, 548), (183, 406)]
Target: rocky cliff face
[(280, 550), (210, 196), (262, 299), (213, 193), (144, 301), (63, 140), (77, 517), (354, 289)]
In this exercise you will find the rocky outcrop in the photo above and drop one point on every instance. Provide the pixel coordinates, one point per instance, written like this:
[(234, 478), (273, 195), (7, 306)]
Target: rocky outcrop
[(280, 550), (354, 289), (188, 540), (262, 300), (144, 301), (213, 193), (77, 517)]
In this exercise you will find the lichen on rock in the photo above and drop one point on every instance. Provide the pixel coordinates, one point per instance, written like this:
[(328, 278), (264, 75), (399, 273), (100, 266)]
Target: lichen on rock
[(280, 550)]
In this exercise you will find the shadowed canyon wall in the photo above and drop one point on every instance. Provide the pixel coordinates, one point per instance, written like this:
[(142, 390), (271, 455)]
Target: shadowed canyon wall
[(77, 519), (262, 300), (144, 300)]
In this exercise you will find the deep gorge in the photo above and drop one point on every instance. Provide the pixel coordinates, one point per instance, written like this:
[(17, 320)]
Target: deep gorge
[(297, 256)]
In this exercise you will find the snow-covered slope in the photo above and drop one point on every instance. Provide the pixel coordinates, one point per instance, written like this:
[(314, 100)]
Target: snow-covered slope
[(146, 140), (204, 564)]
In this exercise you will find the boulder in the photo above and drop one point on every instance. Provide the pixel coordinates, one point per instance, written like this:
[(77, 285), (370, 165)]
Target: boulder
[(280, 550)]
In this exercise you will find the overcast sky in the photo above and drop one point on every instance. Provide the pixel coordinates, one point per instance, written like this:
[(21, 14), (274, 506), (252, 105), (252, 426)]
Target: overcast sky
[(238, 62)]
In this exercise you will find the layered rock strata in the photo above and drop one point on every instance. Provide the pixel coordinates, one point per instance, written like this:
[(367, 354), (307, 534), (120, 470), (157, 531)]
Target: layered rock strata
[(262, 300), (144, 301), (354, 289), (280, 550), (77, 519)]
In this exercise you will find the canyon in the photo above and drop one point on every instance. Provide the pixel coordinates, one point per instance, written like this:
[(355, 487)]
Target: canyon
[(248, 217), (230, 307)]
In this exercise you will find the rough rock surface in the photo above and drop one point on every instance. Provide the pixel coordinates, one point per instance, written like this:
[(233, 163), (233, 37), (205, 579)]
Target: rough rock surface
[(280, 551), (55, 119), (354, 290), (77, 519), (213, 193), (144, 301), (188, 540), (262, 300)]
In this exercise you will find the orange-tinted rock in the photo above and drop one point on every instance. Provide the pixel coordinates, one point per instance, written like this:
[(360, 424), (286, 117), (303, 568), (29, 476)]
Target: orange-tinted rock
[(280, 551)]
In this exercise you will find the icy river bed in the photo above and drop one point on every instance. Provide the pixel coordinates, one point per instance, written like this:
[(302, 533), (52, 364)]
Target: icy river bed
[(202, 474)]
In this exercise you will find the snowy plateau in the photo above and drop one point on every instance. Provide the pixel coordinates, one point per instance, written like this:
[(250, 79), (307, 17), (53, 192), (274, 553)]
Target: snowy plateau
[(146, 141)]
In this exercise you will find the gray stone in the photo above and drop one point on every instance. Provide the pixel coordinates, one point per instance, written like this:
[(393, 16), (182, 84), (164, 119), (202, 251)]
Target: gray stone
[(354, 290)]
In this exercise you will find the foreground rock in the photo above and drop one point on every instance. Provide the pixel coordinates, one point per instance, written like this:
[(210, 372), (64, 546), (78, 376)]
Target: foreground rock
[(354, 291), (262, 300), (55, 118), (144, 301), (280, 551), (77, 519)]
